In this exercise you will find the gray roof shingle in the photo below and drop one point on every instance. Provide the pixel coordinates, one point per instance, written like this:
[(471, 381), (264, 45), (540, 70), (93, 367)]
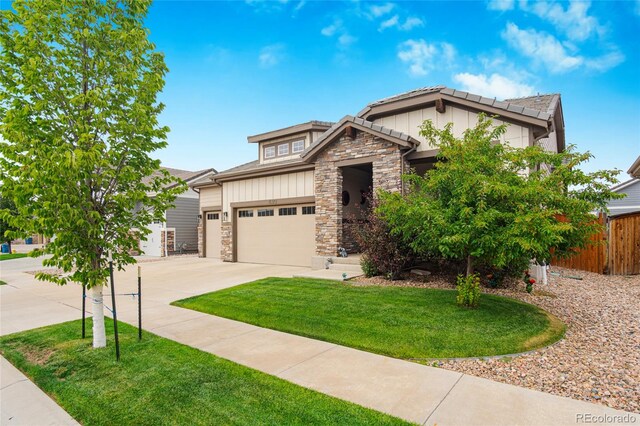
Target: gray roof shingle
[(541, 106)]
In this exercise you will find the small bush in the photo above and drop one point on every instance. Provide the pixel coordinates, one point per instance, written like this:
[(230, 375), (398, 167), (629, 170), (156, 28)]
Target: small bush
[(368, 267), (388, 254), (468, 290)]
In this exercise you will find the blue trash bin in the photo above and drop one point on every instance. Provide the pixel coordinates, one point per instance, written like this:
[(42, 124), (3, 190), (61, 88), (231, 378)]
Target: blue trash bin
[(5, 248), (28, 240)]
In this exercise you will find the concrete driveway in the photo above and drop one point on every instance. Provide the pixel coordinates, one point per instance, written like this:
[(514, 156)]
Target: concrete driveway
[(415, 392), (27, 303)]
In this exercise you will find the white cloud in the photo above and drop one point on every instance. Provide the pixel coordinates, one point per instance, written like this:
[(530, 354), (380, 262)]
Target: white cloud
[(381, 10), (495, 85), (606, 61), (330, 30), (541, 47), (411, 22), (271, 55), (574, 21), (346, 39), (394, 22), (501, 5), (391, 22), (420, 55)]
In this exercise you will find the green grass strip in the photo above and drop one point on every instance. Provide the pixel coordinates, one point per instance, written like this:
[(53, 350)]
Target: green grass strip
[(401, 322), (161, 382), (9, 256)]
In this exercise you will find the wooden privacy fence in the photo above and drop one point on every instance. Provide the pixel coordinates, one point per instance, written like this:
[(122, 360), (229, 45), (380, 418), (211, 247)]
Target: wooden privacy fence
[(619, 255), (592, 258), (624, 244)]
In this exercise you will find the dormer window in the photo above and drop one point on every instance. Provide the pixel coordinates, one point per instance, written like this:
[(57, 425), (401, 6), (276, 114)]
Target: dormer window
[(297, 146), (283, 149), (270, 152)]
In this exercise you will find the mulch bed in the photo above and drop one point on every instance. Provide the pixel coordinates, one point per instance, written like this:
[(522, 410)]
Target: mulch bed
[(599, 358)]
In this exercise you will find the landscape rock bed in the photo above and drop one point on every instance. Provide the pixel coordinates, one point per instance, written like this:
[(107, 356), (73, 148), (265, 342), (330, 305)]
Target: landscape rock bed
[(599, 358)]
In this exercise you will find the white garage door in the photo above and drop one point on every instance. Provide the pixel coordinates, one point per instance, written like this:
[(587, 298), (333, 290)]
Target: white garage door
[(213, 235), (278, 235)]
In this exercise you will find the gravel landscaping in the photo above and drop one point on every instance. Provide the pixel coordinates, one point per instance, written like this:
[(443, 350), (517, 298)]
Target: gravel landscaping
[(599, 358)]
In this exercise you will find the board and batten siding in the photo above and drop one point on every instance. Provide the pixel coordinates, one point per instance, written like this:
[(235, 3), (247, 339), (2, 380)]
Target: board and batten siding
[(289, 185), (410, 122), (628, 204), (210, 196), (184, 218)]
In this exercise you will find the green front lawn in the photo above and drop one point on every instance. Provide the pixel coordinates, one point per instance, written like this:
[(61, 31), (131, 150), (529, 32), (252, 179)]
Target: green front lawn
[(9, 256), (401, 322), (159, 381)]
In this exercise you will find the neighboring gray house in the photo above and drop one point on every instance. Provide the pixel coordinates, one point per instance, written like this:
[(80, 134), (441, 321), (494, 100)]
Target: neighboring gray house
[(181, 221), (630, 203)]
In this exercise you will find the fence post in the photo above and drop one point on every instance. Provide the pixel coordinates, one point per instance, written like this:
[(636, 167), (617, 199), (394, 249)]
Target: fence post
[(115, 316)]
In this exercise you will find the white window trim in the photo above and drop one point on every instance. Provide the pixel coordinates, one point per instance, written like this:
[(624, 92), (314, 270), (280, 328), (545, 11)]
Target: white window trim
[(286, 146), (293, 146), (266, 151)]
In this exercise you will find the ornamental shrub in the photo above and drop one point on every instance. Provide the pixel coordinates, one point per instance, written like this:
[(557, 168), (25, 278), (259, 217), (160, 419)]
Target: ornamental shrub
[(368, 267), (468, 290), (386, 252)]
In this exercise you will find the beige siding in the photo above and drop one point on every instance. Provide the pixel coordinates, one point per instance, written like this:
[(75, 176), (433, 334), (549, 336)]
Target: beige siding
[(289, 138), (210, 197), (410, 122), (299, 184)]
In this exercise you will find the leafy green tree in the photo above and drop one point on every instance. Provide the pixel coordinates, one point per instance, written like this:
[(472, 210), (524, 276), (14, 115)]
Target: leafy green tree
[(495, 205), (6, 204), (79, 119)]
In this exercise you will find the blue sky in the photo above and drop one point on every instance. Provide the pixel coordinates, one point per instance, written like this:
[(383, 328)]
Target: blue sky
[(239, 68)]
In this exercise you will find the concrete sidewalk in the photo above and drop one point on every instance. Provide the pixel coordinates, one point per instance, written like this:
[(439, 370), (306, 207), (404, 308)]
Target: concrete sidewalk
[(23, 403), (414, 392)]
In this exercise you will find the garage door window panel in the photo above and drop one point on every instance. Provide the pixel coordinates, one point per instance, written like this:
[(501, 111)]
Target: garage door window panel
[(288, 211), (245, 213), (265, 212)]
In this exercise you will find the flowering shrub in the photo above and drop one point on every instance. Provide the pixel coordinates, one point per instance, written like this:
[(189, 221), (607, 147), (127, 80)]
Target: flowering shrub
[(529, 282)]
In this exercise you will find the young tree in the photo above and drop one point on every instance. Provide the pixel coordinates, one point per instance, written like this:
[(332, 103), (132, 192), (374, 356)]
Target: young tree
[(79, 118), (486, 202)]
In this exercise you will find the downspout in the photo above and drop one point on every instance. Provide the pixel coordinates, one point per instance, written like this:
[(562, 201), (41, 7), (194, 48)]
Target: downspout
[(402, 167)]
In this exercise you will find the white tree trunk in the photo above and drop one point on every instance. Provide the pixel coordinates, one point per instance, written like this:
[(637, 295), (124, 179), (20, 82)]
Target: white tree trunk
[(97, 308)]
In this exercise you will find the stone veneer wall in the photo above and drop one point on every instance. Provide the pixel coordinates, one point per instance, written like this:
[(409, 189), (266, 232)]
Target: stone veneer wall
[(387, 168), (200, 238), (171, 236), (227, 242)]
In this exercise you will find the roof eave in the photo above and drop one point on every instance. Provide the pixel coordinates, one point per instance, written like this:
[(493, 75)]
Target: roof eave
[(261, 171), (291, 130), (634, 170)]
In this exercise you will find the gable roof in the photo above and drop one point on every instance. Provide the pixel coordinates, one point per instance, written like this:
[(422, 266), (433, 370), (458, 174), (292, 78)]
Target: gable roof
[(313, 125), (619, 187), (546, 103), (514, 106), (185, 175), (634, 170), (336, 130), (256, 168)]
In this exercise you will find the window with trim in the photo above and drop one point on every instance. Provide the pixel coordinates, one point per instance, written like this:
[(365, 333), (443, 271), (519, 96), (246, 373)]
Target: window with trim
[(297, 146), (269, 152), (265, 212), (283, 149), (245, 213), (309, 210), (213, 216), (288, 211)]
